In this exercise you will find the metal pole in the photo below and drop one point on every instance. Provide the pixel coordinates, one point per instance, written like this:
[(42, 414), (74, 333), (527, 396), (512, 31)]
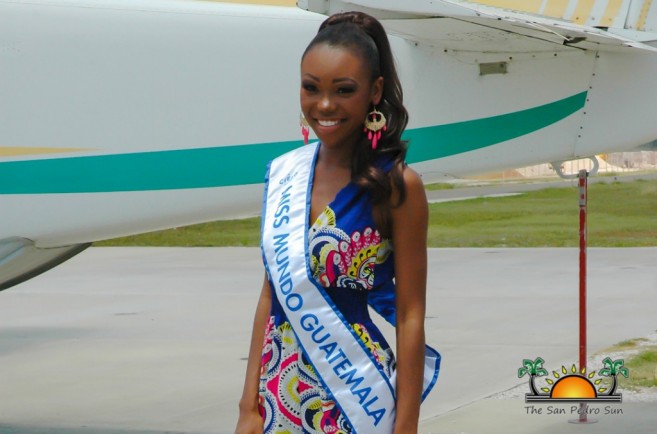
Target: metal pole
[(583, 201), (583, 175)]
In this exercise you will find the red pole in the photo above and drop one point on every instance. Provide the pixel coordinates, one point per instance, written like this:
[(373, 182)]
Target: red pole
[(583, 201), (583, 176)]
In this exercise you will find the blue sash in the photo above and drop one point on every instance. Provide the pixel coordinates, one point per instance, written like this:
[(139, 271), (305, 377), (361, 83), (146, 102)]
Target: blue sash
[(344, 365)]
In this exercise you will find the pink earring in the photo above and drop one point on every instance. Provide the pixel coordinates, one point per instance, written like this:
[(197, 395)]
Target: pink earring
[(305, 128), (375, 121)]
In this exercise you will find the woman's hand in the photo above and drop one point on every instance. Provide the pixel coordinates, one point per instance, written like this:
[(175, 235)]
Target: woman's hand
[(249, 422)]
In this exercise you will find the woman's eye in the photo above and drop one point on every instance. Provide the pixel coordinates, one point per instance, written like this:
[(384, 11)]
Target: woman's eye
[(309, 87), (346, 90)]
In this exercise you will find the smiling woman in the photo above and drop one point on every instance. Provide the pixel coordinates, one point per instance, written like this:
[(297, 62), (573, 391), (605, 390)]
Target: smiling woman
[(333, 212)]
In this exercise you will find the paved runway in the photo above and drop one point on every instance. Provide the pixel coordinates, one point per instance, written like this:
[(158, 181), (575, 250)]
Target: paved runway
[(154, 340)]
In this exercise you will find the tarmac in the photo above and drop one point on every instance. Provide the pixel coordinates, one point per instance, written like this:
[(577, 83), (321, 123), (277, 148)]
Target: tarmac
[(154, 340)]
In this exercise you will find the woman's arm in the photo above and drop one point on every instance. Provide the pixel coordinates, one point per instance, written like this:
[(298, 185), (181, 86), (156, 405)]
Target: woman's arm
[(250, 421), (409, 238)]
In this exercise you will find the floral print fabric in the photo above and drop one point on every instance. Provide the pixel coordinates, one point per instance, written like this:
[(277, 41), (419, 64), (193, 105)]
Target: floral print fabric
[(341, 260), (349, 258)]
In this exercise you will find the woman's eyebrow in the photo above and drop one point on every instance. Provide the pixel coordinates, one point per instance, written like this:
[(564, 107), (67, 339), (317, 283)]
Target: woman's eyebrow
[(311, 76), (341, 79)]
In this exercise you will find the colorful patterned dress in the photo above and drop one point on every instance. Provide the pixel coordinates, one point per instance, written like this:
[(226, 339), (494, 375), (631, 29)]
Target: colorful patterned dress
[(351, 261)]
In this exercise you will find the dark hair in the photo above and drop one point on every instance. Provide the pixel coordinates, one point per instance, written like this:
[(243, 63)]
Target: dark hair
[(364, 34)]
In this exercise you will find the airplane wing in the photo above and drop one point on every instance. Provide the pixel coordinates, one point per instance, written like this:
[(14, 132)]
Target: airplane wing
[(468, 26)]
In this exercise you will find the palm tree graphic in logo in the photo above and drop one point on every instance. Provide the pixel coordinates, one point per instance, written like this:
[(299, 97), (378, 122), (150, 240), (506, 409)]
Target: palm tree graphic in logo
[(612, 369), (533, 369), (573, 385)]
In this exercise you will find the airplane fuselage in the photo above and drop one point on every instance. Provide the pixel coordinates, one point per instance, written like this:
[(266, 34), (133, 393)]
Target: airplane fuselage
[(122, 117)]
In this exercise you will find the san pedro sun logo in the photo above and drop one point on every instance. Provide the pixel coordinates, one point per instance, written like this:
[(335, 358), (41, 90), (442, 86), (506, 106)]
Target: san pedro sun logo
[(572, 385)]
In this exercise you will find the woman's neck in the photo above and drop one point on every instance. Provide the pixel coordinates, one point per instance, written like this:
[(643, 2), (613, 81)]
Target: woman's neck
[(335, 158)]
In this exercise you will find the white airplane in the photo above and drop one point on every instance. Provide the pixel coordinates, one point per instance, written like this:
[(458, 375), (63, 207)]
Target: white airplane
[(125, 116)]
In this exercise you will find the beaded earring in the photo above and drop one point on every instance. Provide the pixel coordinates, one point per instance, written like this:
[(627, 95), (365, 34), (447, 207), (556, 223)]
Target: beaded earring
[(374, 123), (305, 128)]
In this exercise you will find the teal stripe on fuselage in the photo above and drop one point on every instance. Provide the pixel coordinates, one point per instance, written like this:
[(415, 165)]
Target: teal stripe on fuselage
[(143, 171), (445, 140), (245, 164)]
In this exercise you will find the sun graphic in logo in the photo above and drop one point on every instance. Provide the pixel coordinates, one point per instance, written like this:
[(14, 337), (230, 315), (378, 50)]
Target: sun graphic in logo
[(574, 385)]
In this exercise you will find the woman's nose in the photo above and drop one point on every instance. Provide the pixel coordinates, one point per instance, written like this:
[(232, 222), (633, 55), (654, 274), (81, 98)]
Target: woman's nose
[(325, 103)]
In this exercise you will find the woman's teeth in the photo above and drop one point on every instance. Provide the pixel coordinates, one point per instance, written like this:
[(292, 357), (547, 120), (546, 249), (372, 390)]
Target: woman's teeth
[(327, 123)]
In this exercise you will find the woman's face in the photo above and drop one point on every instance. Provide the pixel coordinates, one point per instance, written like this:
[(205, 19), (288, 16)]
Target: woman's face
[(336, 94)]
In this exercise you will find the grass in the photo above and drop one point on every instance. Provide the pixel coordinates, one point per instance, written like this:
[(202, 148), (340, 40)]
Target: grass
[(643, 369), (642, 366), (619, 215), (625, 345)]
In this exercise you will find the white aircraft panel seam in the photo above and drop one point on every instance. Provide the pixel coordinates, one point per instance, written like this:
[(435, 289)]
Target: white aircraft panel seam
[(583, 115)]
